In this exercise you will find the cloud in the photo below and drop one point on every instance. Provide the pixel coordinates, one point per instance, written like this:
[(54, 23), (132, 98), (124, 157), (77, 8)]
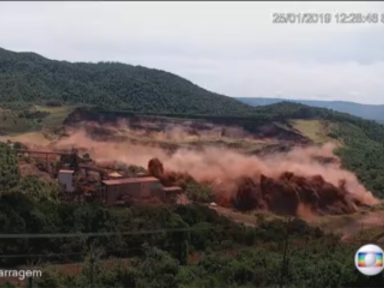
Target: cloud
[(228, 47)]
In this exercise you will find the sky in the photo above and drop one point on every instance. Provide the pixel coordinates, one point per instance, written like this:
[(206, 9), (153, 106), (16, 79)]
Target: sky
[(231, 48)]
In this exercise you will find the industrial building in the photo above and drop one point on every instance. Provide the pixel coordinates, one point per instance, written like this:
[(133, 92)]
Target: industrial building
[(121, 191), (65, 179), (172, 193), (86, 181)]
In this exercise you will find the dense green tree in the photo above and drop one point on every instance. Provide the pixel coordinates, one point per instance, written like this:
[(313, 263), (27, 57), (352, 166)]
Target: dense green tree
[(28, 77), (9, 173), (199, 192)]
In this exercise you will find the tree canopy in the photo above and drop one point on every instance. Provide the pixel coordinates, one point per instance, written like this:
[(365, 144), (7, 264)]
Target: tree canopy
[(28, 77)]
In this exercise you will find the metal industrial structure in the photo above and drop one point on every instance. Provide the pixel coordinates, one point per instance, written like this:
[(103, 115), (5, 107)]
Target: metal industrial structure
[(120, 191), (84, 180), (65, 179)]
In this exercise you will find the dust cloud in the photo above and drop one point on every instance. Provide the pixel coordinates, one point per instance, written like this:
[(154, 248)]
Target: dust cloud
[(222, 167)]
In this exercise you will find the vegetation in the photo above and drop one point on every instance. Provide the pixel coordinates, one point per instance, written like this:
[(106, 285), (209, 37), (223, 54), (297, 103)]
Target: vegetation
[(208, 250), (28, 77), (213, 252), (362, 141), (21, 119), (9, 173), (362, 149), (366, 111), (315, 130), (363, 154), (11, 122), (199, 192)]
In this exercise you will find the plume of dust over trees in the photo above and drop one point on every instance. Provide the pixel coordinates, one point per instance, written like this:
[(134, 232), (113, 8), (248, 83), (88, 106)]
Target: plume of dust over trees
[(220, 167)]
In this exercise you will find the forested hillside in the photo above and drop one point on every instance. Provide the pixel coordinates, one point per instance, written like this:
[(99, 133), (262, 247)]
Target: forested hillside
[(366, 111), (28, 77)]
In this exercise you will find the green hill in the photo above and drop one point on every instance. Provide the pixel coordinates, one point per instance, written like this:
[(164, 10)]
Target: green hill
[(366, 111), (28, 77)]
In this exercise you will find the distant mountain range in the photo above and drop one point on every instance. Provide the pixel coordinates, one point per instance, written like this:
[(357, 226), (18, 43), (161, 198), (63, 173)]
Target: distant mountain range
[(366, 111)]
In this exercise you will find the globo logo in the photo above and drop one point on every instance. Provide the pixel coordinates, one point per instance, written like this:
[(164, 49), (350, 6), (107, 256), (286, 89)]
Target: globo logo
[(369, 260)]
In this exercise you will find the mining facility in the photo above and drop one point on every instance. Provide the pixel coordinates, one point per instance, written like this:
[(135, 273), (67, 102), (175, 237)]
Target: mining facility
[(81, 179)]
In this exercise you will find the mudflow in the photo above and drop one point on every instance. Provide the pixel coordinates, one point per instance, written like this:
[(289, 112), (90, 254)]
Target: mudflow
[(303, 181)]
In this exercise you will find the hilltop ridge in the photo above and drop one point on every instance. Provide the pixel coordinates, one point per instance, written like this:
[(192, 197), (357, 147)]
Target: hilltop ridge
[(29, 77)]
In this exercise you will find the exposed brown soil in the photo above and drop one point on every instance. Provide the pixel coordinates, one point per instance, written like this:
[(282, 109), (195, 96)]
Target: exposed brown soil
[(219, 126)]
